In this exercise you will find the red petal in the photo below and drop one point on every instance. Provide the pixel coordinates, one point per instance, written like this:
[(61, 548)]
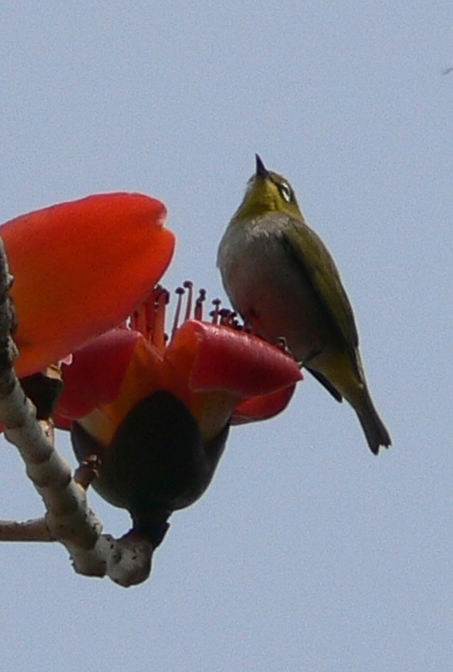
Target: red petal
[(96, 373), (221, 358), (262, 407), (80, 268)]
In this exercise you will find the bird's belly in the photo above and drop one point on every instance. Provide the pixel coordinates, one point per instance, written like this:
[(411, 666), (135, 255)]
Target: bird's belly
[(272, 296)]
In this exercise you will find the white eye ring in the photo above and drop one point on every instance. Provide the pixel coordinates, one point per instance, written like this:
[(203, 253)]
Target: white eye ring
[(285, 191)]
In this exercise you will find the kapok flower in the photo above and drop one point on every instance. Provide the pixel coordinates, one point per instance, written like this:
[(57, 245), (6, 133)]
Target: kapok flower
[(156, 412), (80, 268)]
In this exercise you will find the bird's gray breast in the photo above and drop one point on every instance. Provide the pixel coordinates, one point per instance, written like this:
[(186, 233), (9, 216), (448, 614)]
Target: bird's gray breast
[(266, 286), (249, 255)]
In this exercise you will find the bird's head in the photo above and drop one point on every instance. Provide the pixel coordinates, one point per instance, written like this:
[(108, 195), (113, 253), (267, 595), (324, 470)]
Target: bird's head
[(267, 192)]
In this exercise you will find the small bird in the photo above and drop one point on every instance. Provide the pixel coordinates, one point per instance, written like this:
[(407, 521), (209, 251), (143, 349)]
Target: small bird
[(281, 278)]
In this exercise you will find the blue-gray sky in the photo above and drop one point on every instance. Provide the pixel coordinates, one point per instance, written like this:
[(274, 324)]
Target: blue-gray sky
[(307, 553)]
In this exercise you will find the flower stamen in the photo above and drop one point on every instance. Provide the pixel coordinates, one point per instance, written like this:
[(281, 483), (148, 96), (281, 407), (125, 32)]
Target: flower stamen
[(157, 335), (149, 319), (138, 320), (215, 314), (198, 312), (189, 286), (224, 315), (179, 291)]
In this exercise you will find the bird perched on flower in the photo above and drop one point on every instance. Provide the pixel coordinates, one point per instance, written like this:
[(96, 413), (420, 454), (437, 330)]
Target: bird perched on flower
[(281, 278)]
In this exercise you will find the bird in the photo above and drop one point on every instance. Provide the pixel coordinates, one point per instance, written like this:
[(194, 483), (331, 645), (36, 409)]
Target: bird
[(281, 278)]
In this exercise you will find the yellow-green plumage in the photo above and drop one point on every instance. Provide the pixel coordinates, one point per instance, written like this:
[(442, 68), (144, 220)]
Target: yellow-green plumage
[(282, 279)]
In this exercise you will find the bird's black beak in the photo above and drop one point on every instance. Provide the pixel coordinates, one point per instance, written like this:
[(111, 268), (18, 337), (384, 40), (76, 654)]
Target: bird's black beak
[(261, 169)]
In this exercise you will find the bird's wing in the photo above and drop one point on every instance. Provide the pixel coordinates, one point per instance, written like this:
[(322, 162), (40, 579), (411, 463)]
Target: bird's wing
[(318, 267)]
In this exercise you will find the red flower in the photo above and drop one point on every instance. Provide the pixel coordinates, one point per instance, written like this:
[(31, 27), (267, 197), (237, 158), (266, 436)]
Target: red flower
[(156, 412), (80, 268)]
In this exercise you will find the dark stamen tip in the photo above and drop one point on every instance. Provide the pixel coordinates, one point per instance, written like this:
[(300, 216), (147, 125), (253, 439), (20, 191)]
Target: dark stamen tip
[(224, 315), (161, 294), (198, 313)]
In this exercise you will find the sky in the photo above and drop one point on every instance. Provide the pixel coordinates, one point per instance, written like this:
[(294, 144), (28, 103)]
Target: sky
[(307, 552)]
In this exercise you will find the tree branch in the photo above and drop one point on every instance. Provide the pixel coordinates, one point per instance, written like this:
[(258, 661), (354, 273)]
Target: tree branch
[(68, 519), (29, 530)]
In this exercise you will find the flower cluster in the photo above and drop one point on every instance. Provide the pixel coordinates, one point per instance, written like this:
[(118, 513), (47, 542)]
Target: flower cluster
[(152, 411)]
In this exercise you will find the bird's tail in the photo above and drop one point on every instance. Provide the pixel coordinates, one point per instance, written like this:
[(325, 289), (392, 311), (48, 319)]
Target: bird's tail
[(375, 431)]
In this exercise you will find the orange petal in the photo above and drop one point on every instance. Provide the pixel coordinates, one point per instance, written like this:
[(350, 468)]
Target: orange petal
[(80, 268)]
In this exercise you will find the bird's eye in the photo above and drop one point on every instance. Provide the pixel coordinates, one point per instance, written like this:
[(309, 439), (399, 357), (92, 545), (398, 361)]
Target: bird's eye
[(285, 191)]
